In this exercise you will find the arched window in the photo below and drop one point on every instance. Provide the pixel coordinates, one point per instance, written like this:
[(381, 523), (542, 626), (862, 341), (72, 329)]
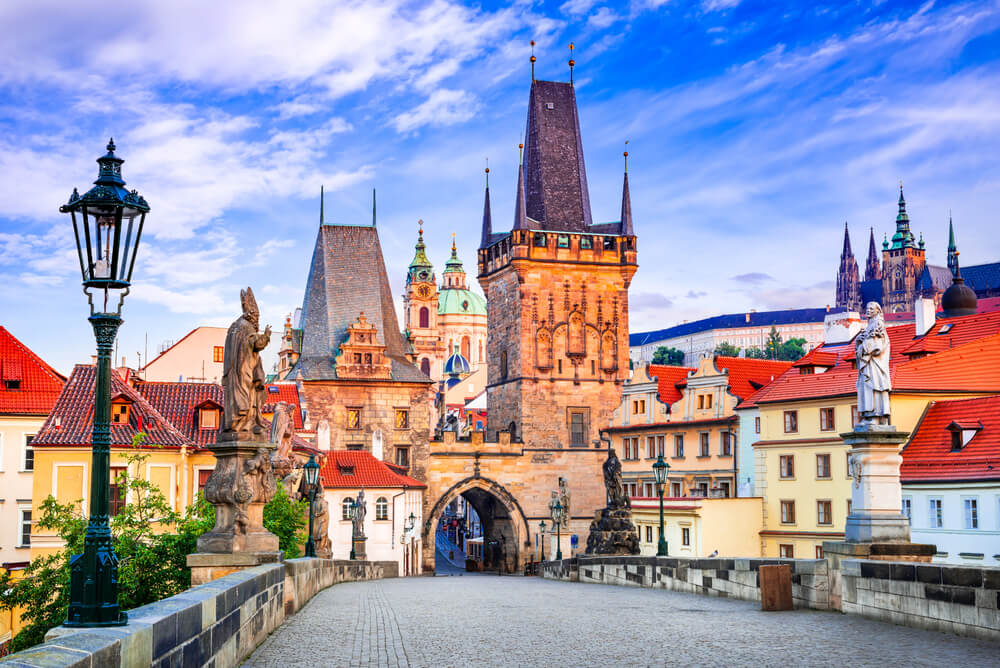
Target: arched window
[(466, 348), (345, 508), (481, 352), (513, 430), (425, 366), (425, 317), (382, 508), (503, 365)]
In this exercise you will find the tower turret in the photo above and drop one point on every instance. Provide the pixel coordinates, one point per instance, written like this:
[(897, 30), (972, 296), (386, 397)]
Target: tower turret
[(952, 248), (848, 283), (873, 271)]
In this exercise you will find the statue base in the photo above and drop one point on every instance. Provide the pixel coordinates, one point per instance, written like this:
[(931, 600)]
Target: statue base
[(876, 493), (359, 548), (612, 532), (206, 567)]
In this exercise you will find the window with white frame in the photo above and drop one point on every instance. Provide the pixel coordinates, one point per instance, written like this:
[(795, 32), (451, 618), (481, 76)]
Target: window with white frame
[(908, 509), (382, 508), (28, 454), (725, 443), (345, 508), (24, 527), (970, 507), (935, 513), (678, 445), (651, 447)]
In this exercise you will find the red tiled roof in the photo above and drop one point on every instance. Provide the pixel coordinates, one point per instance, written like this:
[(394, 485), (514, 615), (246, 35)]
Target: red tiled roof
[(287, 392), (667, 378), (973, 367), (987, 304), (928, 456), (40, 384), (72, 417), (746, 376), (952, 332), (817, 357), (367, 471)]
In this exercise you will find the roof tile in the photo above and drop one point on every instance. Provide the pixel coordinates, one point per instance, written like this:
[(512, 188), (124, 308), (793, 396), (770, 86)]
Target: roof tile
[(928, 455), (39, 384)]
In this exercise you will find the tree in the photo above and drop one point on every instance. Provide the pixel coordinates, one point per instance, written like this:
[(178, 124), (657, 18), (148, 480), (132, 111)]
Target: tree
[(792, 350), (286, 519), (773, 343), (669, 356), (726, 349), (756, 354)]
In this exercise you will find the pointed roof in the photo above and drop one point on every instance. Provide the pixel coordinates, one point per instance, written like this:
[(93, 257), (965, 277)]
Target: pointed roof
[(420, 259), (28, 386), (903, 238), (487, 215), (354, 469), (554, 171), (872, 271), (520, 206), (347, 276), (951, 235), (453, 265), (846, 252), (626, 219)]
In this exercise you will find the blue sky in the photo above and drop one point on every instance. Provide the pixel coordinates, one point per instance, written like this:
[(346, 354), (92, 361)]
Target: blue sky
[(755, 131)]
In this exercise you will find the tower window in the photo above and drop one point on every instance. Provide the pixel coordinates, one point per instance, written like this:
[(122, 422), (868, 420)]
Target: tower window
[(425, 366), (503, 365), (586, 242), (609, 243), (562, 241), (539, 240), (425, 317)]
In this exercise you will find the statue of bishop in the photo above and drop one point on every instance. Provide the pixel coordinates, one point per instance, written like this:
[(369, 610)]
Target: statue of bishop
[(243, 376)]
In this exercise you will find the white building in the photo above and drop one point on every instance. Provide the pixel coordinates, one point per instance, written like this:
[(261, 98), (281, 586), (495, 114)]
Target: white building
[(197, 357), (951, 479), (391, 498), (743, 330)]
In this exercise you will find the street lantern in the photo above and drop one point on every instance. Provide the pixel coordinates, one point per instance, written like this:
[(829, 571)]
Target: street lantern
[(541, 528), (311, 472), (411, 521), (557, 517), (660, 469), (107, 226), (351, 511)]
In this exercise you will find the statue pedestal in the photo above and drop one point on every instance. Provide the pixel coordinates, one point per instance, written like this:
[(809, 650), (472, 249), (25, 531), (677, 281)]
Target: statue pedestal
[(612, 532), (876, 494), (241, 484), (359, 548)]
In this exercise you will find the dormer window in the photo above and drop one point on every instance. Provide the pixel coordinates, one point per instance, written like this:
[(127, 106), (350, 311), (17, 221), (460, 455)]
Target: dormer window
[(962, 432), (945, 328), (119, 412), (346, 469), (208, 418)]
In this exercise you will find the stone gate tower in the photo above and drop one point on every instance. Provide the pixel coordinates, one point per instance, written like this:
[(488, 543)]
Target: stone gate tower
[(557, 290)]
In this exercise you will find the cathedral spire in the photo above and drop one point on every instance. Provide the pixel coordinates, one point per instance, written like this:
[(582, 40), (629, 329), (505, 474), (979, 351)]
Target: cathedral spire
[(520, 216), (626, 219), (872, 270), (487, 213), (952, 248), (848, 283), (847, 244), (903, 238), (321, 198)]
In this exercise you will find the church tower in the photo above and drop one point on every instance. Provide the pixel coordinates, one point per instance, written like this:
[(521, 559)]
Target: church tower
[(952, 248), (557, 290), (848, 284), (902, 263), (873, 271), (420, 310)]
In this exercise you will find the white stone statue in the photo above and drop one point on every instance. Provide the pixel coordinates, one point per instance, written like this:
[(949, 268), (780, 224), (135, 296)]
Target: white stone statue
[(871, 349)]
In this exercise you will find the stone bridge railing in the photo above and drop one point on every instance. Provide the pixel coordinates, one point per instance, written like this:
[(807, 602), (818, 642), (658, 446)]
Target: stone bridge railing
[(218, 623)]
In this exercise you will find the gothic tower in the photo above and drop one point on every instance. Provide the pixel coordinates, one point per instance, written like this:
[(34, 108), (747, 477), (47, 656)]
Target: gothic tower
[(873, 271), (902, 263), (557, 290), (848, 284), (420, 310), (952, 248)]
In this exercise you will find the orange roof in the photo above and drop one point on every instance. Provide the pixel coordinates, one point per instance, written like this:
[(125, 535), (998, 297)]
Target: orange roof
[(746, 376), (359, 468), (28, 386), (973, 367), (928, 455), (287, 392), (667, 378)]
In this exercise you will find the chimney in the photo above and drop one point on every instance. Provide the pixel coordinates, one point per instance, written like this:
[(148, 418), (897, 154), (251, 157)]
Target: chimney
[(924, 313), (841, 327)]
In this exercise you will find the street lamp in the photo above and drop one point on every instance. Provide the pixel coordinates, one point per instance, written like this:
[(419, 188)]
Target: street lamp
[(311, 470), (541, 527), (660, 469), (557, 515), (107, 225), (351, 510)]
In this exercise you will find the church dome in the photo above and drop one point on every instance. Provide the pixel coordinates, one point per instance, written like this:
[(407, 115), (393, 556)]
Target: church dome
[(959, 299), (456, 365), (459, 301)]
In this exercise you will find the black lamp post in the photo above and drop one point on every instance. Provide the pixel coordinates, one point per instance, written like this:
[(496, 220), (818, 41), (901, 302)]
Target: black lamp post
[(557, 515), (351, 510), (541, 528), (660, 469), (107, 225), (311, 471)]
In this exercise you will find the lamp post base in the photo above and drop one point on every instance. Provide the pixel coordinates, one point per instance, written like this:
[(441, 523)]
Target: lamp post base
[(661, 548)]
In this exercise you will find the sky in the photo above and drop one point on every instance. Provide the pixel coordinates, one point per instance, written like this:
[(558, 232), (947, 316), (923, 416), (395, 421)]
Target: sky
[(754, 131)]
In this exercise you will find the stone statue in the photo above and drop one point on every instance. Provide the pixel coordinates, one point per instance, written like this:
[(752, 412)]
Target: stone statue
[(243, 375), (321, 526), (257, 484), (613, 482), (552, 506), (282, 430), (564, 500), (360, 510), (871, 349)]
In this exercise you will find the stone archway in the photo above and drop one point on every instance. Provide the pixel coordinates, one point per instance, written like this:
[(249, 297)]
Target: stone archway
[(503, 521)]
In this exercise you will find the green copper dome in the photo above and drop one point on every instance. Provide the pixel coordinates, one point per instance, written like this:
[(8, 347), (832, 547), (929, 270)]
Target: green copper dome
[(458, 301)]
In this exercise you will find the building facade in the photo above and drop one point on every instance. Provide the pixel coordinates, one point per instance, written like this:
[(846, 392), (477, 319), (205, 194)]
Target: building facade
[(196, 358), (700, 527)]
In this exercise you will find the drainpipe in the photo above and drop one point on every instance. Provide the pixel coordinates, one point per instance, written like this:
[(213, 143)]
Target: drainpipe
[(393, 542)]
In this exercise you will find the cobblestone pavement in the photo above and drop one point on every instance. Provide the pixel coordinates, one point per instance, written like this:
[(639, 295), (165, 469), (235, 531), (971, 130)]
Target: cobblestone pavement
[(482, 620)]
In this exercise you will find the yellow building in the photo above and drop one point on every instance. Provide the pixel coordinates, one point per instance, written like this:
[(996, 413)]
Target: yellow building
[(802, 467), (688, 416), (698, 527)]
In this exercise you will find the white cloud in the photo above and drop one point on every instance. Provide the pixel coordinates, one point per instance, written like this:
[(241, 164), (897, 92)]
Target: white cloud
[(602, 18), (443, 107), (718, 5), (577, 6)]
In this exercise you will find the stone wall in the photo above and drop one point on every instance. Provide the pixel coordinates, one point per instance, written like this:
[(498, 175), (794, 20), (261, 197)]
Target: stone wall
[(216, 624), (727, 578), (953, 599)]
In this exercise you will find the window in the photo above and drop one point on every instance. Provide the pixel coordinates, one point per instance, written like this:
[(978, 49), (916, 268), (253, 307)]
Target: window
[(935, 513), (660, 448), (217, 354), (577, 428), (403, 457), (971, 507), (824, 512), (756, 425), (823, 466), (203, 476), (355, 446), (24, 527), (651, 447), (354, 418), (382, 508), (675, 489), (609, 243), (685, 536), (638, 406), (345, 508), (724, 489), (649, 534), (402, 418), (28, 462), (678, 445), (425, 366), (791, 422), (725, 444), (425, 317), (118, 487), (701, 489), (562, 241), (786, 466), (788, 512), (119, 413), (647, 490), (586, 242), (631, 489), (703, 444), (826, 419), (208, 418), (631, 448), (704, 401), (854, 416), (819, 551), (786, 551), (539, 240), (908, 508), (503, 364)]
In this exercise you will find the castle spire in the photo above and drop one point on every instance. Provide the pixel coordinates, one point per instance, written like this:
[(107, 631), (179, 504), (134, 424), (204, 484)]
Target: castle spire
[(847, 244), (626, 219), (321, 198), (952, 248), (848, 283), (520, 215), (872, 270), (373, 208), (903, 238), (487, 213), (421, 267)]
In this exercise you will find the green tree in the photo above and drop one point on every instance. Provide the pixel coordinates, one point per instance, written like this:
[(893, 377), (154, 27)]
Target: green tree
[(726, 349), (669, 356), (287, 520), (756, 354), (792, 350)]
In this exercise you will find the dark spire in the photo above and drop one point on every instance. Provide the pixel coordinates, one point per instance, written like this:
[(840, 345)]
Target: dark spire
[(487, 213), (520, 210), (848, 283), (847, 244), (952, 247), (626, 219), (321, 198), (872, 270), (903, 238), (373, 207)]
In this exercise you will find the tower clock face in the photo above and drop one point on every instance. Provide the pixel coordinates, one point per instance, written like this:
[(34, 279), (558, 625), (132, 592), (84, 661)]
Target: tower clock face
[(423, 274), (424, 291)]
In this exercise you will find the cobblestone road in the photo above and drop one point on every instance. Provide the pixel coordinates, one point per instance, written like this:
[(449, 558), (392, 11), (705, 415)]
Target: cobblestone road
[(514, 621)]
